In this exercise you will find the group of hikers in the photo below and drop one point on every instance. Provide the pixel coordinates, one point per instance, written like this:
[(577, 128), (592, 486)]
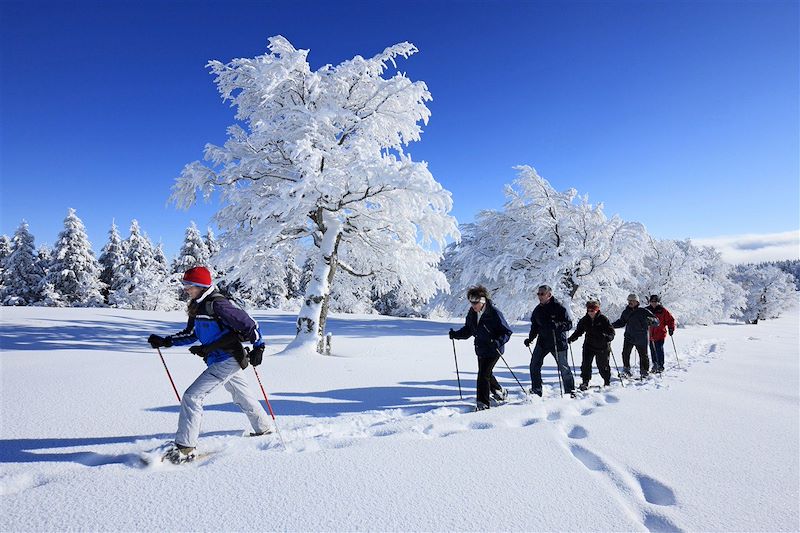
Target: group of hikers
[(550, 323), (221, 326)]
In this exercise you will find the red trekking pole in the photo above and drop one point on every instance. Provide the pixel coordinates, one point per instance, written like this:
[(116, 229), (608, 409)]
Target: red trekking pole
[(272, 414), (169, 375)]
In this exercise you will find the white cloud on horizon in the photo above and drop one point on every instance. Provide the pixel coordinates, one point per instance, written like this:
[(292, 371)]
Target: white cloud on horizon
[(755, 248)]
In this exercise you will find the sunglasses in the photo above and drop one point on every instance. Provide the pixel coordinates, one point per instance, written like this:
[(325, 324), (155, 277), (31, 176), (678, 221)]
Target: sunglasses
[(541, 294), (475, 301)]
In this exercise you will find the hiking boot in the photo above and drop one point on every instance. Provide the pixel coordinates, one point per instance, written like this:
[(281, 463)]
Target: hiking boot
[(626, 372), (584, 385), (606, 383), (267, 431), (536, 392), (177, 454), (500, 395), (644, 375), (480, 406)]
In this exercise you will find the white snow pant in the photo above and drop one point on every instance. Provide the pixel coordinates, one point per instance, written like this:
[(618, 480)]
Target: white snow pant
[(226, 373)]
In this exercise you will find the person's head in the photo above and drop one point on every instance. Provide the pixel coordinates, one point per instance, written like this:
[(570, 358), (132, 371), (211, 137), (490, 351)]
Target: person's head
[(633, 300), (544, 292), (655, 300), (592, 308), (477, 296), (196, 281)]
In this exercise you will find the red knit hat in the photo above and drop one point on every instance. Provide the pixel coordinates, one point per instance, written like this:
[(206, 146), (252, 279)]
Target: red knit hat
[(199, 276)]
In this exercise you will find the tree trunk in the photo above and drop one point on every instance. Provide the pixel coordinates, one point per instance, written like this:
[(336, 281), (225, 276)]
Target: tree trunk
[(310, 320), (322, 345)]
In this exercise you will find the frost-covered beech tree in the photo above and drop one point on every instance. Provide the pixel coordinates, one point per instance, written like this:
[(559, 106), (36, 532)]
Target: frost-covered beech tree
[(73, 271), (693, 282), (111, 259), (318, 155), (194, 251), (542, 236), (23, 273), (769, 291)]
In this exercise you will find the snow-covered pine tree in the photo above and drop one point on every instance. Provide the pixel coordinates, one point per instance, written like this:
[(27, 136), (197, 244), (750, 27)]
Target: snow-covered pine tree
[(141, 280), (112, 257), (74, 272), (769, 291), (5, 251), (23, 273), (194, 251), (542, 236), (319, 155)]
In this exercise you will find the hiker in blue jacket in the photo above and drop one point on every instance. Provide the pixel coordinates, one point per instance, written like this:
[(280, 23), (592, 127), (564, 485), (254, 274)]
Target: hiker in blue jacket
[(550, 322), (220, 326), (491, 331)]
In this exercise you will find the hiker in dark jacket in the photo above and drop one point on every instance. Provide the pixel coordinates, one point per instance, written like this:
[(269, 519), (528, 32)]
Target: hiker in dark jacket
[(220, 326), (596, 344), (636, 321), (488, 326), (550, 323)]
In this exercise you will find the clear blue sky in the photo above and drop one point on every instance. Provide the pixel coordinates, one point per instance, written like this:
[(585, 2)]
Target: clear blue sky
[(680, 115)]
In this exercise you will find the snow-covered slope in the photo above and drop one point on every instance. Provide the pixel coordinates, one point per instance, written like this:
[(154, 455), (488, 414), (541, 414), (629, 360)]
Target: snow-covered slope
[(377, 438)]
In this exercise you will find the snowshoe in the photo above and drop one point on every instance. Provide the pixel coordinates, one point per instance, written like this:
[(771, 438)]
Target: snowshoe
[(178, 455), (500, 395), (480, 406)]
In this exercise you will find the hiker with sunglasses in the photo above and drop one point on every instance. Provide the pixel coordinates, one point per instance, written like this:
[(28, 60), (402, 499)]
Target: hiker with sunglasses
[(550, 322), (491, 331), (596, 344)]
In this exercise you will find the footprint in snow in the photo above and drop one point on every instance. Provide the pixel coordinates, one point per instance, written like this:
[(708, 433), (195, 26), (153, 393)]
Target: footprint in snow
[(577, 432), (655, 522), (529, 422), (654, 491), (589, 459), (481, 425), (556, 415)]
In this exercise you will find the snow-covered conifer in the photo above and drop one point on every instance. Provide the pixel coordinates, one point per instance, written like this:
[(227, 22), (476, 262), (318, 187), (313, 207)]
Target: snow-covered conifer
[(137, 279), (319, 156), (194, 251), (112, 257), (74, 272), (23, 273)]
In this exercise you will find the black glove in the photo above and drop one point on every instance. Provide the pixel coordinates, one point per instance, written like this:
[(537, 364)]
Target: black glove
[(496, 344), (157, 341), (671, 331), (256, 355), (452, 334), (199, 350), (527, 342), (571, 340)]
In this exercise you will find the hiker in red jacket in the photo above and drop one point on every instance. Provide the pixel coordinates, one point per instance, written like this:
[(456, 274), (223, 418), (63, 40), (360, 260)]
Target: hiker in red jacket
[(666, 324)]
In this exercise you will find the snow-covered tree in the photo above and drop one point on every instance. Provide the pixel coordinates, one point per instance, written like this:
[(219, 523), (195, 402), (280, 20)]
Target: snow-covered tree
[(142, 280), (111, 259), (5, 251), (542, 236), (74, 272), (769, 290), (22, 275), (693, 282), (319, 156), (194, 251)]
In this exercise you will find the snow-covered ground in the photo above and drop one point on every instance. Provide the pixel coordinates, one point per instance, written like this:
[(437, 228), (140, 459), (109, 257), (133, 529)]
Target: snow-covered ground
[(377, 438)]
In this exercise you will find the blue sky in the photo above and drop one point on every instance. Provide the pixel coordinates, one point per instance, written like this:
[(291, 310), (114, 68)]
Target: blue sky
[(680, 115)]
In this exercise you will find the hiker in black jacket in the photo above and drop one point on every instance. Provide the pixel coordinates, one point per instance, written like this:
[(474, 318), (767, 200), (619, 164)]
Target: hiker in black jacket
[(491, 331), (637, 321), (596, 344), (550, 322)]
